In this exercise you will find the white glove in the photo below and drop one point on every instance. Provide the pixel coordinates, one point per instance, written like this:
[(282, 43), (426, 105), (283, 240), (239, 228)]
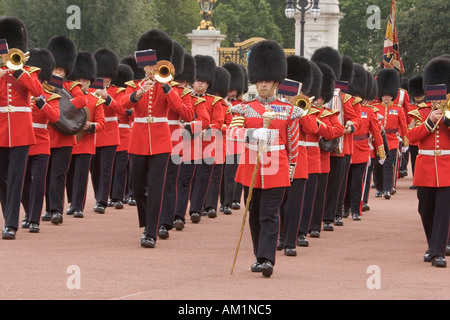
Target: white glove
[(381, 161), (261, 134), (404, 149)]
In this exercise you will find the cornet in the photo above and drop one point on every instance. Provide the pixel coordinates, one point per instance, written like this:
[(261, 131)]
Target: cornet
[(302, 101), (16, 59)]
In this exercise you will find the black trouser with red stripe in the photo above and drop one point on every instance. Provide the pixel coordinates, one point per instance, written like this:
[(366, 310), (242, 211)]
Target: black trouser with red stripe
[(56, 178), (185, 179), (77, 180), (12, 171), (319, 203), (149, 171), (119, 176), (170, 194), (434, 211), (355, 185), (290, 212), (200, 185), (264, 221), (228, 182), (101, 172), (385, 173), (34, 187), (308, 202), (335, 181), (215, 182)]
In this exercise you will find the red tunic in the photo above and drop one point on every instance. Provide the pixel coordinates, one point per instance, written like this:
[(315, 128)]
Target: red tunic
[(334, 130), (16, 123), (403, 101), (233, 147), (214, 108), (394, 123)]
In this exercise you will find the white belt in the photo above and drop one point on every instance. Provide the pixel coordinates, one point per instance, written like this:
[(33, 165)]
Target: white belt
[(150, 120), (111, 119), (312, 144), (14, 109), (269, 148), (124, 126), (40, 126), (174, 122), (301, 143), (434, 152)]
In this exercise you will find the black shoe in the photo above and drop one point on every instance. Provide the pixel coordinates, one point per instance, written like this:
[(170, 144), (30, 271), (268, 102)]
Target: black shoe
[(70, 211), (78, 214), (178, 224), (302, 241), (338, 221), (204, 213), (236, 206), (427, 256), (34, 228), (100, 208), (25, 223), (387, 195), (227, 210), (267, 269), (314, 234), (256, 266), (290, 252), (393, 191), (327, 226), (378, 194), (163, 233), (118, 205), (439, 262), (345, 213), (447, 250), (47, 216), (132, 202), (280, 245), (147, 242), (365, 207), (57, 218), (111, 203), (8, 233), (212, 213), (195, 217), (356, 217)]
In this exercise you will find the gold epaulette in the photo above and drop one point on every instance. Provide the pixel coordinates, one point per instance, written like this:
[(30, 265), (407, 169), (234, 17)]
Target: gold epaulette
[(53, 97), (329, 112), (325, 113), (356, 101), (121, 89), (131, 84), (99, 100), (185, 92), (199, 100), (313, 111), (422, 105), (33, 69), (216, 99), (74, 84), (347, 97), (174, 83), (416, 114), (48, 88)]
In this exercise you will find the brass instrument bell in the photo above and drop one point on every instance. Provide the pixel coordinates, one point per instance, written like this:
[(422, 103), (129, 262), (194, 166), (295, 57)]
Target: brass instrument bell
[(16, 59)]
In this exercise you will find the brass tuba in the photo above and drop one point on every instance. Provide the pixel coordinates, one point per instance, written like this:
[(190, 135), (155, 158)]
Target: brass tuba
[(164, 71), (302, 101), (16, 59)]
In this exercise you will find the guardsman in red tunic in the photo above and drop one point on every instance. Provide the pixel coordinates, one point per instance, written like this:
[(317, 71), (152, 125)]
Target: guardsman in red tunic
[(220, 89), (151, 141), (403, 100), (267, 124), (350, 118), (121, 159), (45, 108), (432, 135), (233, 152), (206, 67), (361, 87), (108, 139), (65, 53), (416, 91), (176, 124), (394, 124), (82, 153), (16, 123), (190, 149)]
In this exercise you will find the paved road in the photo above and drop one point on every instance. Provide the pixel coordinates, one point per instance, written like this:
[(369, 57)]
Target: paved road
[(99, 257)]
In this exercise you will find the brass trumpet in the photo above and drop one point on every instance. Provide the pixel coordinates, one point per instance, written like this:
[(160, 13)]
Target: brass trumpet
[(301, 101), (16, 59)]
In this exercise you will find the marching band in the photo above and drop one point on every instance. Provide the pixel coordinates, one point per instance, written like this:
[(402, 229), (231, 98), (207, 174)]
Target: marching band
[(172, 134)]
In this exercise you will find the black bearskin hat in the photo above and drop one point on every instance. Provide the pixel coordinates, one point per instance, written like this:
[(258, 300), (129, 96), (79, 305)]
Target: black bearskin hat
[(357, 87), (159, 41), (369, 86), (415, 86), (205, 68), (237, 81), (404, 83), (374, 93), (245, 79), (328, 80), (348, 68), (85, 67), (299, 69), (107, 63), (64, 51), (178, 58), (437, 71), (43, 59), (388, 81), (14, 31), (316, 85), (221, 84), (189, 70), (138, 73), (267, 62), (330, 57), (124, 74)]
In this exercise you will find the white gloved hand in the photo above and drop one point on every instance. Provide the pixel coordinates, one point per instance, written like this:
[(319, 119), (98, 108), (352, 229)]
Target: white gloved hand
[(261, 134), (404, 149), (381, 161)]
